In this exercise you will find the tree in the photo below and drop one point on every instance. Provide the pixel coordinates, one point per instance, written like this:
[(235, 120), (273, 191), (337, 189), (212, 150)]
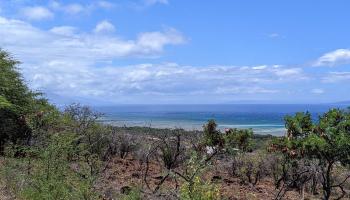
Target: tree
[(330, 144), (212, 136), (240, 139), (18, 104), (14, 100), (327, 141), (299, 125), (12, 87)]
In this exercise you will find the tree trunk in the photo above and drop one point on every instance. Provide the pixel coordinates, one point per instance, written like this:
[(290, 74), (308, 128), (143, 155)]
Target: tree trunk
[(327, 187)]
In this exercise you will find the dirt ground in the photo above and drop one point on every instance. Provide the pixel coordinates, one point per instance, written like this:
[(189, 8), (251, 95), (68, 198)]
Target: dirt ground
[(125, 173), (122, 173)]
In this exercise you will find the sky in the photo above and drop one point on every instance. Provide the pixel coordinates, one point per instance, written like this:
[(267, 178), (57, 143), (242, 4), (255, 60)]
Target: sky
[(103, 52)]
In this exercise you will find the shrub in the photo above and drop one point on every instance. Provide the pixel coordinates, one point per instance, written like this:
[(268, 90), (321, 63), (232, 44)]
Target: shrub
[(127, 145), (92, 138), (171, 151), (250, 167), (46, 173), (52, 176), (194, 186), (276, 167), (240, 139), (199, 190), (212, 136), (121, 144)]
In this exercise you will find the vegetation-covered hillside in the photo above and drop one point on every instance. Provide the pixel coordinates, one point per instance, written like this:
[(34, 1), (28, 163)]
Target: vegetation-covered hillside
[(50, 154)]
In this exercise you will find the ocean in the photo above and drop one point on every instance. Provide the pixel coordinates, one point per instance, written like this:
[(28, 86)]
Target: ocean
[(262, 118)]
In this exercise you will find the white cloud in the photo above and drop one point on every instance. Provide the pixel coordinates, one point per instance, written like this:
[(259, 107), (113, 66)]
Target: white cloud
[(105, 4), (64, 30), (317, 91), (260, 67), (73, 8), (31, 44), (63, 61), (76, 8), (244, 90), (274, 35), (337, 57), (288, 72), (78, 78), (334, 77), (157, 40), (152, 2), (104, 26), (36, 13)]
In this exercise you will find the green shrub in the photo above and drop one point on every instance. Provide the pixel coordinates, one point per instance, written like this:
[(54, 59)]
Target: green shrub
[(212, 136), (238, 139), (172, 151), (194, 187), (199, 190), (53, 176)]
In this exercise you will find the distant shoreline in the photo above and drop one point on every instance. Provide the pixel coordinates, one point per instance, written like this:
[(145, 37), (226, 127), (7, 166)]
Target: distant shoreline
[(263, 119), (272, 131)]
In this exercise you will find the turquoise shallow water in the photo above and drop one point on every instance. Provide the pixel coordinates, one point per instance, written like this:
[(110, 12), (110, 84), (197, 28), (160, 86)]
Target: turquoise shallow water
[(263, 119)]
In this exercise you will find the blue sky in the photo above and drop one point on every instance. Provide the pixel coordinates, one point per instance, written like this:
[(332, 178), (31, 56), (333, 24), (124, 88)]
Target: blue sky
[(181, 51)]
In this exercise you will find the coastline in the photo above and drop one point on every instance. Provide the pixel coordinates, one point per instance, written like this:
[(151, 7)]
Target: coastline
[(262, 119), (274, 130)]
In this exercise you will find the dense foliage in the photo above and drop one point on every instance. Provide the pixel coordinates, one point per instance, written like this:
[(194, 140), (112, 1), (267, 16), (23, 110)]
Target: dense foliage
[(326, 141), (19, 106), (240, 139)]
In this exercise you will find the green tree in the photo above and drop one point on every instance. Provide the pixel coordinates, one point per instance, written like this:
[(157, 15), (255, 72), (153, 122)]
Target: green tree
[(330, 144), (240, 139), (298, 125), (14, 97), (327, 141), (212, 136), (18, 104)]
